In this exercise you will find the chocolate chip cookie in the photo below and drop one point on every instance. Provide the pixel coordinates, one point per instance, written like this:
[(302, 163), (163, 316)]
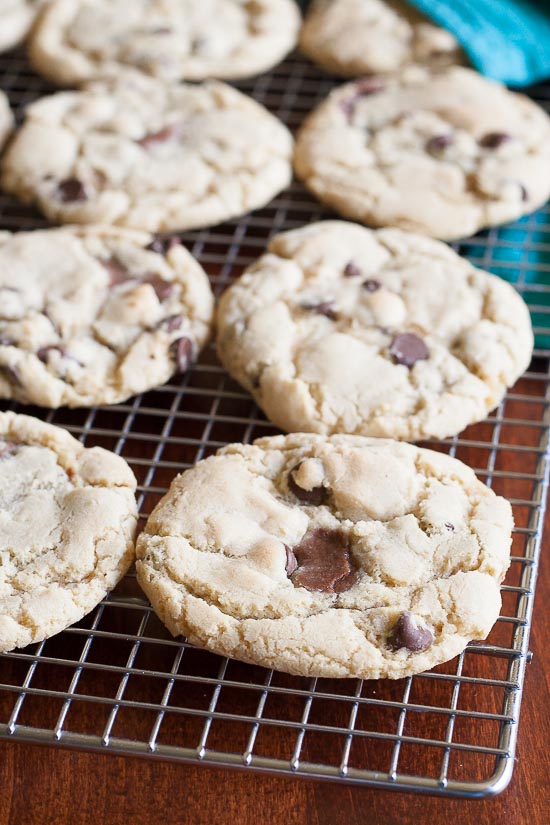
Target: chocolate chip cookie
[(68, 518), (93, 316), (336, 557), (357, 37), (339, 328), (444, 153), (77, 40), (140, 153)]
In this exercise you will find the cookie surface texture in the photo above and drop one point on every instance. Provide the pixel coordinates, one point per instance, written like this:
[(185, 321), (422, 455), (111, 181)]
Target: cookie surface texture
[(96, 315), (357, 37), (16, 19), (444, 153), (140, 153), (339, 328), (77, 40), (338, 557), (68, 517)]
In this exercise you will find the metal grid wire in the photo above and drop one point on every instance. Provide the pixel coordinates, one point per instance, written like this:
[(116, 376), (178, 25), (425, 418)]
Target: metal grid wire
[(117, 682)]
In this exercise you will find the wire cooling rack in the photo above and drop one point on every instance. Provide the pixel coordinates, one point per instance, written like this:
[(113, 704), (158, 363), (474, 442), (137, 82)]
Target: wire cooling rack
[(117, 682)]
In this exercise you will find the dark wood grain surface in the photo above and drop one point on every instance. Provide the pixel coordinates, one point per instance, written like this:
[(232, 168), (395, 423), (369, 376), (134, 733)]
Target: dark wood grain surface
[(44, 785)]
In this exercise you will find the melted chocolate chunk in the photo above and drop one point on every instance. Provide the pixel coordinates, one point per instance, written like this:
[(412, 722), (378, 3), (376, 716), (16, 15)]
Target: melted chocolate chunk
[(408, 348), (437, 144), (291, 563), (407, 633), (163, 289), (325, 308), (352, 270), (363, 88), (314, 497), (162, 245), (72, 190), (449, 526), (371, 285), (182, 352), (12, 374), (7, 449), (323, 562), (44, 353), (492, 140), (117, 271), (171, 323), (172, 132)]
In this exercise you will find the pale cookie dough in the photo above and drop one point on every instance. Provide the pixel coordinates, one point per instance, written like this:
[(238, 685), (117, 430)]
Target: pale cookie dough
[(16, 19), (338, 557), (339, 328), (6, 119), (139, 153), (356, 37), (78, 40), (67, 523), (444, 153), (93, 316)]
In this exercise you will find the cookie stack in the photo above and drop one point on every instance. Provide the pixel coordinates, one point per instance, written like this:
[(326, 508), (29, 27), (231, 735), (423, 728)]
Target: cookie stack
[(336, 550)]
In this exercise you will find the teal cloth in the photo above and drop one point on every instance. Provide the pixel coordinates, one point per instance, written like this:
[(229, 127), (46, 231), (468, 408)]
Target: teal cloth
[(508, 40)]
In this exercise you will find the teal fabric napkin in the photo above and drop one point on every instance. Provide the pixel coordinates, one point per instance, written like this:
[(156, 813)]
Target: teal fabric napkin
[(508, 40)]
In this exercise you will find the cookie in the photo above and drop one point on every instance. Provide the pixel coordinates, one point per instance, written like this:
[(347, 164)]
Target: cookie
[(6, 119), (342, 329), (357, 37), (68, 518), (93, 316), (170, 39), (139, 153), (444, 153), (17, 17), (337, 557)]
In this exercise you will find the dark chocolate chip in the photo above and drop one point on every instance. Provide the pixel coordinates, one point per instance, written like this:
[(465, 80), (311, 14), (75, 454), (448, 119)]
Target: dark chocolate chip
[(162, 30), (44, 353), (182, 352), (72, 190), (5, 341), (370, 86), (449, 526), (323, 562), (492, 140), (162, 245), (524, 192), (408, 348), (163, 289), (291, 563), (314, 497), (371, 285), (7, 449), (325, 308), (171, 323), (407, 633), (12, 374), (172, 132), (352, 270), (437, 144)]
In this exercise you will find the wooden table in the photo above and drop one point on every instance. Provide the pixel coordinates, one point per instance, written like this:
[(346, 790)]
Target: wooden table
[(43, 785)]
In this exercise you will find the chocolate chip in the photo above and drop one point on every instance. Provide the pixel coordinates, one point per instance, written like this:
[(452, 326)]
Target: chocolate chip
[(524, 192), (182, 351), (5, 341), (314, 497), (325, 308), (162, 30), (370, 86), (407, 633), (162, 245), (7, 449), (171, 323), (408, 348), (323, 562), (291, 563), (437, 144), (371, 285), (72, 190), (117, 271), (172, 132), (492, 140), (449, 526), (12, 374), (352, 270), (44, 353), (163, 289)]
